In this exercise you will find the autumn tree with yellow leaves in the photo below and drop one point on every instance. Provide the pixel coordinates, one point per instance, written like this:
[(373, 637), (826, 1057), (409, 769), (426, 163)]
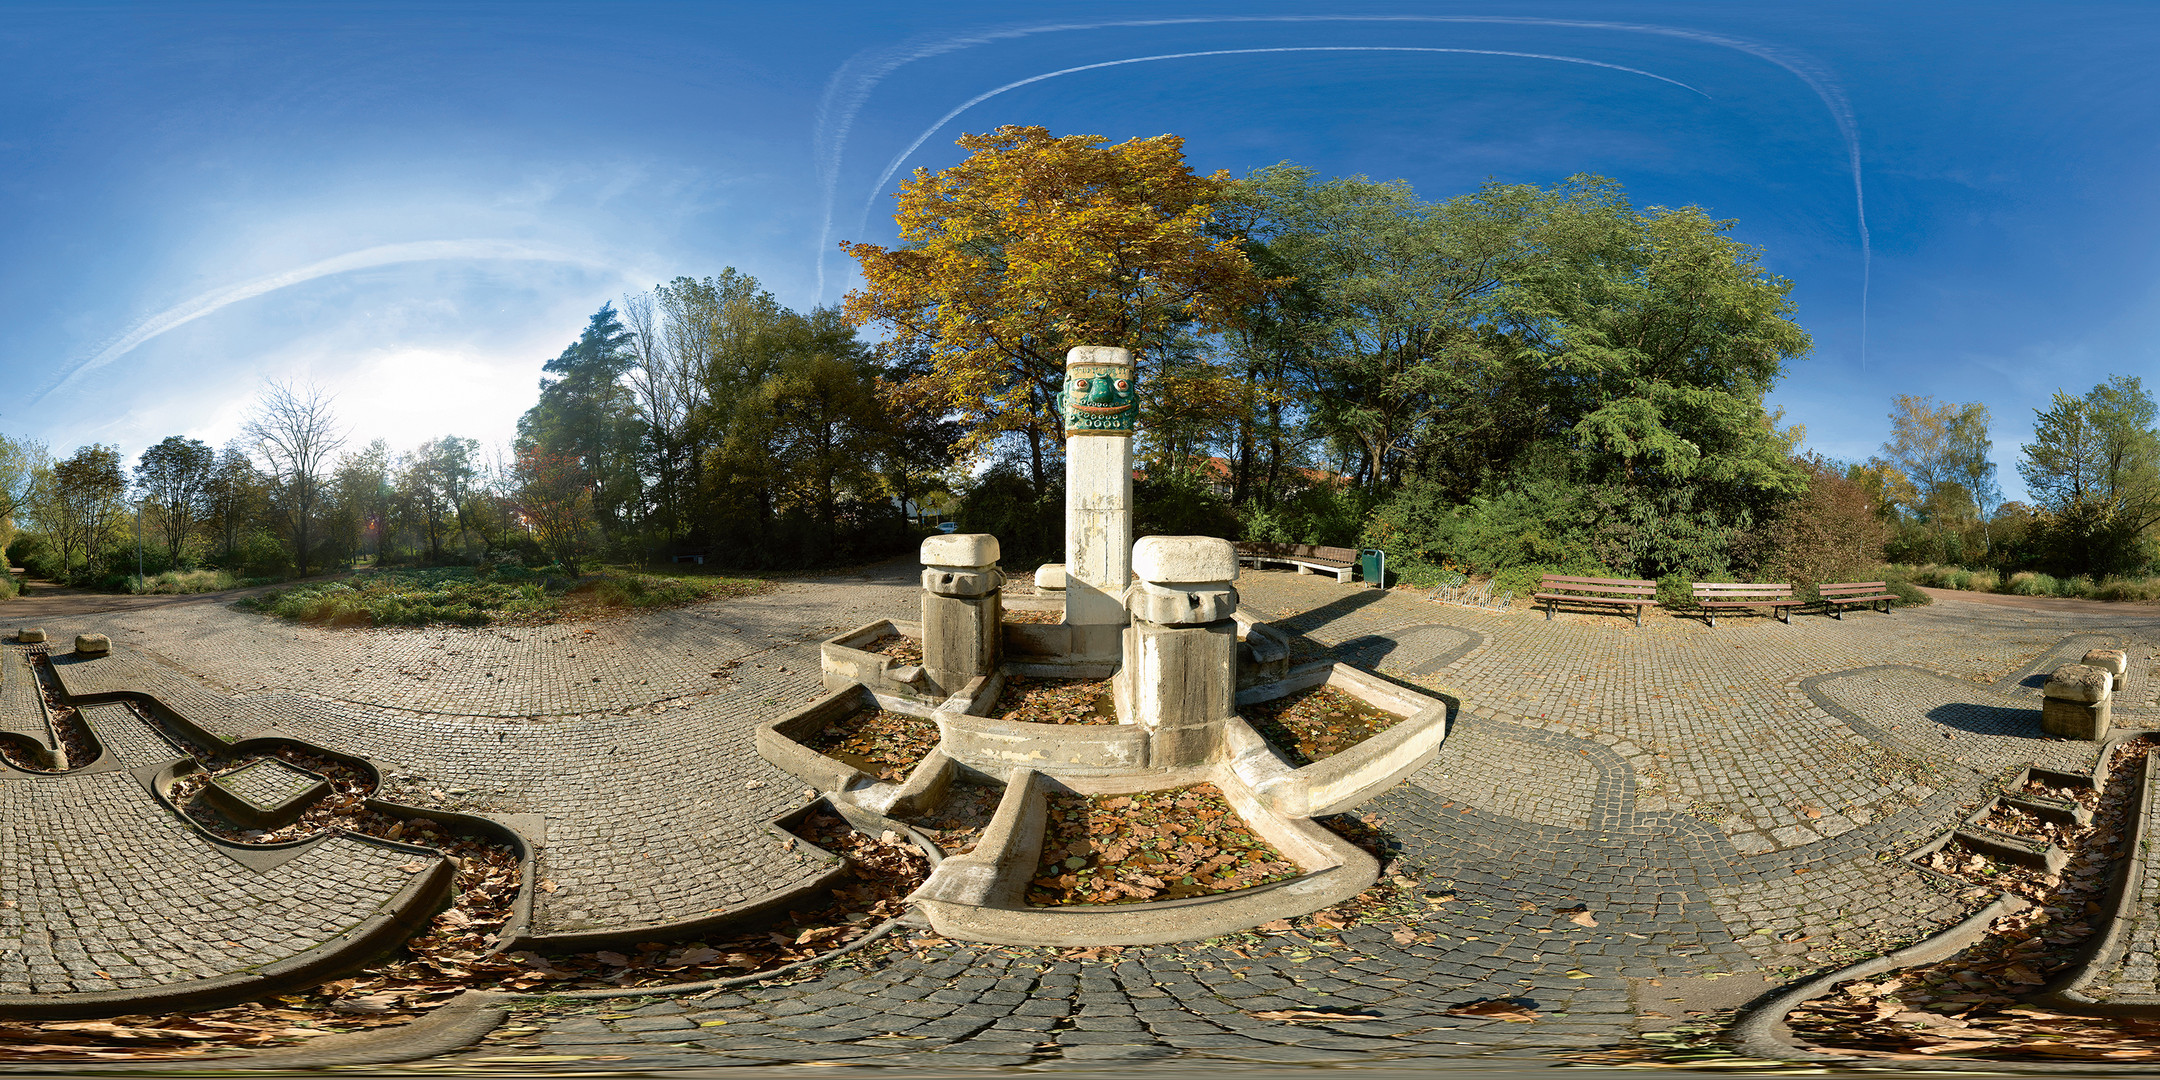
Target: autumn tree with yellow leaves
[(1037, 243)]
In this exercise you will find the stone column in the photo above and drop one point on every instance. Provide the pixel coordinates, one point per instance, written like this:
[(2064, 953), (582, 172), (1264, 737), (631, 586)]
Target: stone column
[(961, 608), (1180, 673), (2075, 704), (1099, 404)]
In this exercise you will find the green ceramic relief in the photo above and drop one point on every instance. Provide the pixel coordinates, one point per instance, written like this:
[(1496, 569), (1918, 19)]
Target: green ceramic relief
[(1100, 400)]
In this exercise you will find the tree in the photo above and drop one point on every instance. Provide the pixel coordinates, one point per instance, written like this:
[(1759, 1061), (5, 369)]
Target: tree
[(1942, 449), (172, 477), (82, 501), (556, 503), (1032, 245), (21, 463), (587, 413), (435, 482), (2093, 467), (295, 432), (233, 495)]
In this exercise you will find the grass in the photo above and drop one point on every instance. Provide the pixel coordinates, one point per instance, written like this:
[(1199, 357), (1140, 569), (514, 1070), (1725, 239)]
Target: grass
[(179, 582), (463, 596), (2033, 583)]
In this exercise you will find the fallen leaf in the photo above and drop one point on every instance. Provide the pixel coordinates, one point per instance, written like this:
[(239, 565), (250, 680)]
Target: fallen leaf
[(1495, 1009)]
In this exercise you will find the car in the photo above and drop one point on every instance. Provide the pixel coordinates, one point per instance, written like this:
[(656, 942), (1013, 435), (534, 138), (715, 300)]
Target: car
[(948, 527)]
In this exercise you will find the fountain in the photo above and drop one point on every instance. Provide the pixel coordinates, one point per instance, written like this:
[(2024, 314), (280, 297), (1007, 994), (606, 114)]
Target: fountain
[(1138, 805)]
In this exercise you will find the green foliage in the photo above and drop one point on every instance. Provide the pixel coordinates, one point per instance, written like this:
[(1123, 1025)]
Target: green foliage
[(1030, 526), (1180, 502), (189, 581), (412, 598), (1329, 515), (2093, 468), (464, 596)]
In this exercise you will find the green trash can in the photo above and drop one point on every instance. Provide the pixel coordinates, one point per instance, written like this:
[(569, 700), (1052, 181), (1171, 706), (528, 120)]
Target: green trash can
[(1372, 562)]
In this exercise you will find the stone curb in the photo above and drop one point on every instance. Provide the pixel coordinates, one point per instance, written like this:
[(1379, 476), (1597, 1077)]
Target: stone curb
[(456, 1024), (1761, 1032), (2068, 995)]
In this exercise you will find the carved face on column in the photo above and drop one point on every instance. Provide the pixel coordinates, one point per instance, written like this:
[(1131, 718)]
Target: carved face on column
[(1100, 400)]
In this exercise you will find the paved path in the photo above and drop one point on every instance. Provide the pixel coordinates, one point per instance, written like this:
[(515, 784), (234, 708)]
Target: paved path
[(1729, 803)]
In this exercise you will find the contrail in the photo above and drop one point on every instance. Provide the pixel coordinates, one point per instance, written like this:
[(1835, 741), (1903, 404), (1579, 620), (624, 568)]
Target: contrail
[(901, 158), (384, 255), (850, 87)]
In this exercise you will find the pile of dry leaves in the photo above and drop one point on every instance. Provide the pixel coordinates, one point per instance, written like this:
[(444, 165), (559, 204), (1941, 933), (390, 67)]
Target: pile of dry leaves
[(1968, 1005), (958, 822), (1318, 723), (1014, 615), (884, 744), (900, 647), (1056, 701), (1156, 845)]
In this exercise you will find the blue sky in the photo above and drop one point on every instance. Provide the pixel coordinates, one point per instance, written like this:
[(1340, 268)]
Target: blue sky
[(417, 205)]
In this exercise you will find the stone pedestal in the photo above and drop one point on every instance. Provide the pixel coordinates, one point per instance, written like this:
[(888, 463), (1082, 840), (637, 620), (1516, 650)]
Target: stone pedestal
[(1099, 406), (961, 609), (2115, 662), (1179, 678), (2076, 703)]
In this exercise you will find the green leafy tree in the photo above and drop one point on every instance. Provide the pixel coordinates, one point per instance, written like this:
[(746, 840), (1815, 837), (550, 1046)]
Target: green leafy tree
[(2093, 468), (587, 412), (235, 494), (173, 478), (81, 502)]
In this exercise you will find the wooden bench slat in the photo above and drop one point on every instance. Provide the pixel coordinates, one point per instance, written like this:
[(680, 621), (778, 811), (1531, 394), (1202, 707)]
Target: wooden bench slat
[(1632, 593), (1839, 595)]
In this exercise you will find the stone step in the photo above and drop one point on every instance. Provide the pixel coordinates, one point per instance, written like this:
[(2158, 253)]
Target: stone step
[(2016, 850)]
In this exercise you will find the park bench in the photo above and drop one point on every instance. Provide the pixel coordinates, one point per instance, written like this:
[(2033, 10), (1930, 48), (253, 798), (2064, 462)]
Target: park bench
[(1836, 598), (1713, 596), (1308, 558), (1555, 589)]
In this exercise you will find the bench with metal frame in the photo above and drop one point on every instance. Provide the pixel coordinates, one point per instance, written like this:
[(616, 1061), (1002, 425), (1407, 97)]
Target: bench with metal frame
[(1308, 558), (1714, 596), (1841, 595), (1557, 589)]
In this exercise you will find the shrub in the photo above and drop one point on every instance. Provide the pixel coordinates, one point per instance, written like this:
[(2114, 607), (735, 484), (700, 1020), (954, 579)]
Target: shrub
[(1827, 533)]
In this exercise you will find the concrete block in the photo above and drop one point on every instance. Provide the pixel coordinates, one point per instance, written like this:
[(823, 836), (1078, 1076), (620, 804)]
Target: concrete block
[(2066, 719), (1098, 354), (2080, 683), (1181, 560), (1050, 577), (2115, 662), (963, 583), (92, 644), (960, 550), (961, 638), (1176, 606), (30, 635)]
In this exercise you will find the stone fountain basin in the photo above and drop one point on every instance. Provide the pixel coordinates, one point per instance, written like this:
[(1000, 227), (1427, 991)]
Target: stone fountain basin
[(996, 747), (1337, 783), (980, 896), (785, 740), (846, 660)]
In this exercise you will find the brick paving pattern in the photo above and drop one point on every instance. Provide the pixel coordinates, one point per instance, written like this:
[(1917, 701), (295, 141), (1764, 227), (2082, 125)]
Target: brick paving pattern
[(1725, 802), (106, 891)]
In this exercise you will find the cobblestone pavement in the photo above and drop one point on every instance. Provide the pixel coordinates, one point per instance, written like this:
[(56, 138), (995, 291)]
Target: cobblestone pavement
[(1728, 805)]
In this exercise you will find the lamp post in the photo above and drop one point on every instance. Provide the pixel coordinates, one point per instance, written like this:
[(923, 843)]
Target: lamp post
[(138, 546)]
